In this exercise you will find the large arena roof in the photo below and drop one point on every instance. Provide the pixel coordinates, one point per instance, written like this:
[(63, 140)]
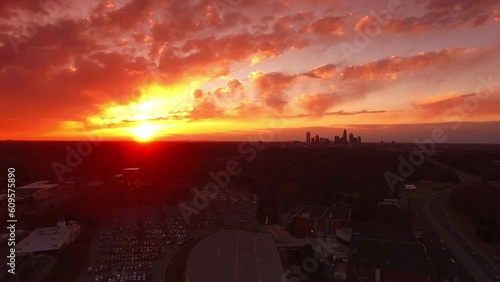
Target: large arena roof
[(234, 255)]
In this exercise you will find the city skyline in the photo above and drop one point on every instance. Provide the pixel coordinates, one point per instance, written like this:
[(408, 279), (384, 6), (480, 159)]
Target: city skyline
[(336, 140)]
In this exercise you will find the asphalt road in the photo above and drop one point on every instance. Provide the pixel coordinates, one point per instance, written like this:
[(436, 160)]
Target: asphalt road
[(455, 271), (468, 253), (462, 260)]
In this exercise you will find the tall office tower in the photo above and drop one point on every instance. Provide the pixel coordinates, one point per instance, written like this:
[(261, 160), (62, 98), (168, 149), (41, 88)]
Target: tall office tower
[(345, 135), (351, 138), (359, 139), (308, 137), (317, 139)]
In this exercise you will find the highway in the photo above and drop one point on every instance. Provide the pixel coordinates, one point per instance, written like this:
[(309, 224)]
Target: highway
[(467, 252), (462, 260), (454, 271)]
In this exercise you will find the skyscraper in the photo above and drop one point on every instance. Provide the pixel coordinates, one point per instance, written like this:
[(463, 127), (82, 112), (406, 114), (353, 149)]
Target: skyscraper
[(317, 139), (345, 136), (351, 138), (308, 137), (359, 139)]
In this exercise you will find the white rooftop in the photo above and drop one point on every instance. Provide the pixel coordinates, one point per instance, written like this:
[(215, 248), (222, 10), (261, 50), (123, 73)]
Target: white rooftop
[(46, 239), (132, 168), (44, 184)]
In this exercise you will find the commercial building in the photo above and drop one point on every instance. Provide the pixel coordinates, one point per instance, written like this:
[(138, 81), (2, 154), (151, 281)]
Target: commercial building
[(48, 239), (387, 253), (308, 137), (320, 221), (234, 255)]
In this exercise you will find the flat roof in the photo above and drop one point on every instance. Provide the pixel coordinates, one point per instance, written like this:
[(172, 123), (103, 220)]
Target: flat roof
[(383, 232), (131, 168), (388, 247), (390, 254), (46, 239), (235, 255), (338, 213), (44, 184)]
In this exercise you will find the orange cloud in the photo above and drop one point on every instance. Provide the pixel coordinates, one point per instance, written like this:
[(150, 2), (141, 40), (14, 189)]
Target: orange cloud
[(324, 71), (327, 26), (272, 88), (461, 106), (392, 67), (317, 104), (442, 14)]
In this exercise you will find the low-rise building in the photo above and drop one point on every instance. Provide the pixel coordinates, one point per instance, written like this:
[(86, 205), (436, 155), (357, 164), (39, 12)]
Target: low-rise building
[(48, 239), (320, 221), (387, 253)]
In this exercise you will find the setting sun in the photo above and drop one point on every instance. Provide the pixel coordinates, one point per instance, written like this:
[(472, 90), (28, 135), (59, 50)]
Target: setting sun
[(144, 132)]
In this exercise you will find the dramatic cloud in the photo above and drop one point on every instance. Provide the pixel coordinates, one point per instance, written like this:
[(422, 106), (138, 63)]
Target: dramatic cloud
[(273, 87), (392, 67), (324, 71), (70, 66), (447, 13), (205, 107), (459, 107), (318, 103)]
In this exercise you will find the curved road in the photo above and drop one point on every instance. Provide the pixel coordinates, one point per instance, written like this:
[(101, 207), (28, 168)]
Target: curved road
[(454, 270), (476, 262), (479, 265), (464, 262)]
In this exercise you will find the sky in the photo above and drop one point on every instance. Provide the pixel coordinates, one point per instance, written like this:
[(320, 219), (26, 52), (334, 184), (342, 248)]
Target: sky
[(242, 69)]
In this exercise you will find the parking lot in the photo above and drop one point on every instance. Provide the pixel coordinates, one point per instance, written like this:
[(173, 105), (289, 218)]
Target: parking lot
[(135, 245)]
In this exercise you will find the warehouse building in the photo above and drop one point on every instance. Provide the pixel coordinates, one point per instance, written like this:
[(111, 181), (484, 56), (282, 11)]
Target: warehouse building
[(387, 253), (48, 239)]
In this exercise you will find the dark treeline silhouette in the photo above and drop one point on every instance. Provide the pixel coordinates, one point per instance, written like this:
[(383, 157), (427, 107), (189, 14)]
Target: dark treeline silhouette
[(285, 178), (481, 202), (282, 177)]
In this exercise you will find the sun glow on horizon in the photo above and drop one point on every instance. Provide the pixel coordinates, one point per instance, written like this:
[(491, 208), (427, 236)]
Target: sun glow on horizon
[(144, 132)]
